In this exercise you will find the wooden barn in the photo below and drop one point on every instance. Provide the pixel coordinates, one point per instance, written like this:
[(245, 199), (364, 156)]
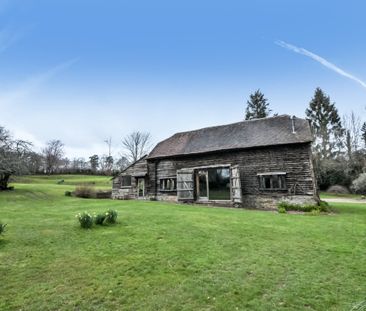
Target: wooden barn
[(252, 164)]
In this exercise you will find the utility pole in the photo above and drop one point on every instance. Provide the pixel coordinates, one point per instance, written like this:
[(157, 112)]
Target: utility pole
[(108, 141)]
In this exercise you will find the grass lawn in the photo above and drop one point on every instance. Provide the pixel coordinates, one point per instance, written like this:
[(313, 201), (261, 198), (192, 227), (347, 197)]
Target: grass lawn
[(101, 182), (176, 257), (327, 195)]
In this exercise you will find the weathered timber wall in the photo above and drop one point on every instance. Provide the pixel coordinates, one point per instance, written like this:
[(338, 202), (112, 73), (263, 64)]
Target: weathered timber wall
[(295, 160), (137, 169)]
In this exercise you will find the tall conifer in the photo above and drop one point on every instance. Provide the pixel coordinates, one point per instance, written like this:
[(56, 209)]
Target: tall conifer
[(326, 125), (257, 106)]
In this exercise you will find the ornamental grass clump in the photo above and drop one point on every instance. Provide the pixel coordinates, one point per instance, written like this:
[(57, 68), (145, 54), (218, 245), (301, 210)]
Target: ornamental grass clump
[(85, 219), (99, 219), (111, 216)]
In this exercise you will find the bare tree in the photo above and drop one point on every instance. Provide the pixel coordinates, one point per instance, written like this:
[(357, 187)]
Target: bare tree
[(78, 165), (121, 163), (137, 144), (363, 133), (34, 162), (53, 154), (13, 157), (352, 125)]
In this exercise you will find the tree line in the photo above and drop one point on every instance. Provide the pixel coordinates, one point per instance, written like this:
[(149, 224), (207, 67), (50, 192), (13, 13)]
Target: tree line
[(17, 157), (339, 142), (339, 147)]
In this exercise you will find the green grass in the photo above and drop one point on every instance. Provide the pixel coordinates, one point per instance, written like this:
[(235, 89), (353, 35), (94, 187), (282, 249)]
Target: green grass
[(164, 256), (327, 195), (70, 180)]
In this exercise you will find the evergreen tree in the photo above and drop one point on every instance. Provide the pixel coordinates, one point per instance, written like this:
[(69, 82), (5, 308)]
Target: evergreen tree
[(363, 133), (94, 162), (257, 106), (326, 125)]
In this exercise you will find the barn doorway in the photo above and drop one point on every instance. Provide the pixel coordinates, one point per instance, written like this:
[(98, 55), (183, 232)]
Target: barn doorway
[(202, 185), (213, 184), (140, 188), (210, 183)]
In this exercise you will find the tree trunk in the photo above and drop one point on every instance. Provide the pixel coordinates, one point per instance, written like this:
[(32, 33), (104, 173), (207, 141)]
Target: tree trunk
[(4, 179)]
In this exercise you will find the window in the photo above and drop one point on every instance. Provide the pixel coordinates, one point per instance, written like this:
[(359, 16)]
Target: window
[(126, 181), (272, 181), (219, 183), (168, 184)]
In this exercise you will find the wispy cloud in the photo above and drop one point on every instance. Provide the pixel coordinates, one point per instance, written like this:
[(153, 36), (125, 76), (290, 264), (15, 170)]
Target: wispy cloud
[(320, 60), (33, 83)]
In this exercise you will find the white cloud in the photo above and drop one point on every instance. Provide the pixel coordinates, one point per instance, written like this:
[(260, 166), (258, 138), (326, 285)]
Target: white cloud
[(320, 60)]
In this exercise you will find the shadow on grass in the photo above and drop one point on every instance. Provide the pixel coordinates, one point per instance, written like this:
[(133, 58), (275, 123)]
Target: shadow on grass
[(3, 242), (349, 208)]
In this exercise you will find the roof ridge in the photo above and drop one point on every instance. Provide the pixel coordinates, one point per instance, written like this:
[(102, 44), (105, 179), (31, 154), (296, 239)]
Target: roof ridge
[(229, 124), (275, 130)]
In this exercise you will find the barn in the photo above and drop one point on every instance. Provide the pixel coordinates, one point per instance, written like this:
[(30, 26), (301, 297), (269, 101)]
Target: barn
[(253, 164)]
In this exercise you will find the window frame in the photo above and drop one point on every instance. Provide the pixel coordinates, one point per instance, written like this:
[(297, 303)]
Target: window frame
[(123, 185), (281, 179), (163, 182)]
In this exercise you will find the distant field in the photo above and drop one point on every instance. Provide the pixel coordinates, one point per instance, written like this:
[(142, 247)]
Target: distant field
[(164, 256), (326, 195), (69, 180)]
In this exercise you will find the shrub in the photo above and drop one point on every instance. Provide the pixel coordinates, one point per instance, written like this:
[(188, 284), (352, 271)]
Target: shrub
[(282, 210), (2, 228), (68, 193), (84, 192), (338, 189), (332, 172), (314, 212), (359, 184), (287, 206), (103, 194), (111, 216), (85, 220), (99, 219), (324, 206)]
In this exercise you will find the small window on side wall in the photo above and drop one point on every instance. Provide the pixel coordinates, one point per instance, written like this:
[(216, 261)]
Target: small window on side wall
[(168, 184), (126, 181), (272, 181)]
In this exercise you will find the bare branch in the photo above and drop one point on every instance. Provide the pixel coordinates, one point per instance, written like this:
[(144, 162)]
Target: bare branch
[(53, 154), (137, 144)]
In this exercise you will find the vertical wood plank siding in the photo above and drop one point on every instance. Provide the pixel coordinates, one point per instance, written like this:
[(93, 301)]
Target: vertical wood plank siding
[(293, 159), (140, 169)]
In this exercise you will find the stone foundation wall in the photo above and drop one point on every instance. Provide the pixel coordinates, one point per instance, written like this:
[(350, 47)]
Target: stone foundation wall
[(265, 202), (271, 201), (122, 194), (166, 197)]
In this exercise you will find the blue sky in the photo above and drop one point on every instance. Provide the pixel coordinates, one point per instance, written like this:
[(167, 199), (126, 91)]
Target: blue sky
[(82, 71)]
